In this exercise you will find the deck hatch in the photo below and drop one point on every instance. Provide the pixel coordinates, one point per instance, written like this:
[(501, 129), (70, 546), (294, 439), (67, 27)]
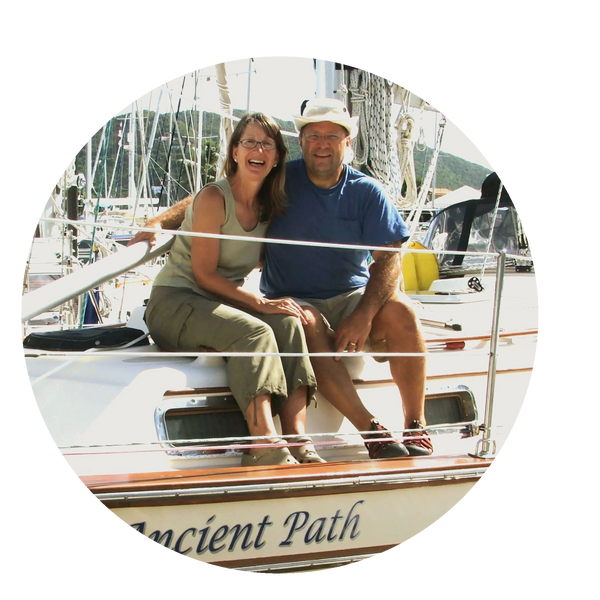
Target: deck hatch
[(183, 420), (457, 405)]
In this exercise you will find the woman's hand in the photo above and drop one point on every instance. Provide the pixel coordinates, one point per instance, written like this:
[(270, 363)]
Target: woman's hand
[(285, 306)]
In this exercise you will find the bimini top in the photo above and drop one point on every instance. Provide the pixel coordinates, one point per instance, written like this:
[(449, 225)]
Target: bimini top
[(466, 227)]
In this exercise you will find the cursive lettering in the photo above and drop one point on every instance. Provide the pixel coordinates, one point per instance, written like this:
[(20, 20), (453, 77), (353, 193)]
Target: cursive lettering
[(298, 527), (297, 521)]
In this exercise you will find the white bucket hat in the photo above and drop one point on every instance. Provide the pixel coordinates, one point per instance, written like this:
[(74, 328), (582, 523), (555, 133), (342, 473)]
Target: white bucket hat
[(327, 109)]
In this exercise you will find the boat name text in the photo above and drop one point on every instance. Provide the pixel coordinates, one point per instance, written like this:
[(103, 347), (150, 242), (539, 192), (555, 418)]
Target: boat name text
[(299, 526)]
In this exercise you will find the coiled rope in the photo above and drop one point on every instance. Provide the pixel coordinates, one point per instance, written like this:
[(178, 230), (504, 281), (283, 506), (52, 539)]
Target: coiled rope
[(405, 145), (371, 99), (359, 93)]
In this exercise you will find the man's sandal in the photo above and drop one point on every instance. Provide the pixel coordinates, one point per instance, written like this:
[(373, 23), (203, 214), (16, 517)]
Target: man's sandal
[(417, 442), (386, 446)]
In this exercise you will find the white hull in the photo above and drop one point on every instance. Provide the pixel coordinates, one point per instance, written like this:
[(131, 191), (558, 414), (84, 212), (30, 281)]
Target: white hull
[(210, 511), (312, 523), (104, 412)]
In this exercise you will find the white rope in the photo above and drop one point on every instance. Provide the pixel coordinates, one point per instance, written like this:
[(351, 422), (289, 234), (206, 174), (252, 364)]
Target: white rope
[(359, 92), (405, 145), (383, 156), (209, 354), (222, 236), (415, 215), (374, 146), (290, 438)]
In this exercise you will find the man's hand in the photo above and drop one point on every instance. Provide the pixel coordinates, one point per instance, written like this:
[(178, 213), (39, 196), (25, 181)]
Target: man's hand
[(352, 333), (354, 330)]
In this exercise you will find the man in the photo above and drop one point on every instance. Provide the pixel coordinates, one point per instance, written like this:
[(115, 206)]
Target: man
[(328, 201), (347, 302)]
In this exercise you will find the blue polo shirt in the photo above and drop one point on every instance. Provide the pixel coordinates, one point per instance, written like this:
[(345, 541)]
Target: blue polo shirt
[(355, 211)]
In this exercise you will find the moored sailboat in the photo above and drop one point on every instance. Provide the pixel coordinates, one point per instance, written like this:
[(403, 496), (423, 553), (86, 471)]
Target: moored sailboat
[(159, 444)]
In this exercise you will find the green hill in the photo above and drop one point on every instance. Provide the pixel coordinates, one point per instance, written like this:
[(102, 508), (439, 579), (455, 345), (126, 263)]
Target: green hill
[(451, 172), (179, 152)]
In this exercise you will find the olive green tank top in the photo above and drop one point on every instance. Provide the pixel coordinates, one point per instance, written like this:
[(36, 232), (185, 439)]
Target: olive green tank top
[(237, 258)]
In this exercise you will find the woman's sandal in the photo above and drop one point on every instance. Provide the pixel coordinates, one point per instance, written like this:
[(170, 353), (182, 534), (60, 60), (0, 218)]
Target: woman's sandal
[(305, 453), (269, 456)]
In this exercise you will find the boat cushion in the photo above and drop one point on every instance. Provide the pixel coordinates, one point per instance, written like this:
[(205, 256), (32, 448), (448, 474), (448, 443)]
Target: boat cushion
[(84, 339)]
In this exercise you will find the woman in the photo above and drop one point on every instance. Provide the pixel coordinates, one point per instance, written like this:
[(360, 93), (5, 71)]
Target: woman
[(197, 299)]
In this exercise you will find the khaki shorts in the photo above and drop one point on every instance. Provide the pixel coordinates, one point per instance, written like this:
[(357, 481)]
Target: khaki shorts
[(335, 310)]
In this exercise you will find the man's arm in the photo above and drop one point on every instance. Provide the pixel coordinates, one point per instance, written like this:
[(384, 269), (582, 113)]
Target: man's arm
[(385, 273), (170, 219), (384, 277)]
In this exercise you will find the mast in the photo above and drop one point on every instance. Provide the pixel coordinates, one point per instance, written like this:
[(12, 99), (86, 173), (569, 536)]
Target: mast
[(249, 77), (131, 147), (199, 144), (88, 170), (325, 84), (226, 128)]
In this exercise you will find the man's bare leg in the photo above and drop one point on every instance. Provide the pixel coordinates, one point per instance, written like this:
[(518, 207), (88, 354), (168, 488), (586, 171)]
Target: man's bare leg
[(398, 324), (336, 385), (333, 378)]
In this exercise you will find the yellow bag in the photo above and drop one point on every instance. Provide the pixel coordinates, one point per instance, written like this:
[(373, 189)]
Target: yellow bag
[(419, 269)]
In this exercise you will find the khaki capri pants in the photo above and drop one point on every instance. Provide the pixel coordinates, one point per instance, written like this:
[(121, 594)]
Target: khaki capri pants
[(181, 320)]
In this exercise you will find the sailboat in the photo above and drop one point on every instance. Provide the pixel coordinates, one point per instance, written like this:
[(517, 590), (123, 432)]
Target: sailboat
[(158, 440)]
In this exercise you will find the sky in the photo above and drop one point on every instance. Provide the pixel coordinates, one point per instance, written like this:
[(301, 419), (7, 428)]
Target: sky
[(278, 86)]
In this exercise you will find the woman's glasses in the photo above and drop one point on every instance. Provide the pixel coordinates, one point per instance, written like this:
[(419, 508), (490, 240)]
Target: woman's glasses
[(265, 145)]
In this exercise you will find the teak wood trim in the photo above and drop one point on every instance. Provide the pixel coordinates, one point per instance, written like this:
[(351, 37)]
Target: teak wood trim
[(359, 383), (233, 477)]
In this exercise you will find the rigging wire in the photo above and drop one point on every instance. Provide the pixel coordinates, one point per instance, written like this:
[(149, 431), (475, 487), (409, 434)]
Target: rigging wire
[(83, 308), (167, 168)]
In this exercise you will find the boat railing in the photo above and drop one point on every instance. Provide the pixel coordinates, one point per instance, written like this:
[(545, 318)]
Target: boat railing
[(75, 284), (486, 446), (193, 447)]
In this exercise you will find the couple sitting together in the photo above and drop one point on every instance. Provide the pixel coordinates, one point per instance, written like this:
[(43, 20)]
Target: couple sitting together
[(316, 299)]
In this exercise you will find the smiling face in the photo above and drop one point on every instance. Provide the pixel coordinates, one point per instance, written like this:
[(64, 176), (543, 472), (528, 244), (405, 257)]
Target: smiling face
[(262, 169), (323, 147), (255, 162)]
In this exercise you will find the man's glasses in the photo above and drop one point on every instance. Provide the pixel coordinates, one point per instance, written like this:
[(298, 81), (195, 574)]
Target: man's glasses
[(333, 138), (265, 145)]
